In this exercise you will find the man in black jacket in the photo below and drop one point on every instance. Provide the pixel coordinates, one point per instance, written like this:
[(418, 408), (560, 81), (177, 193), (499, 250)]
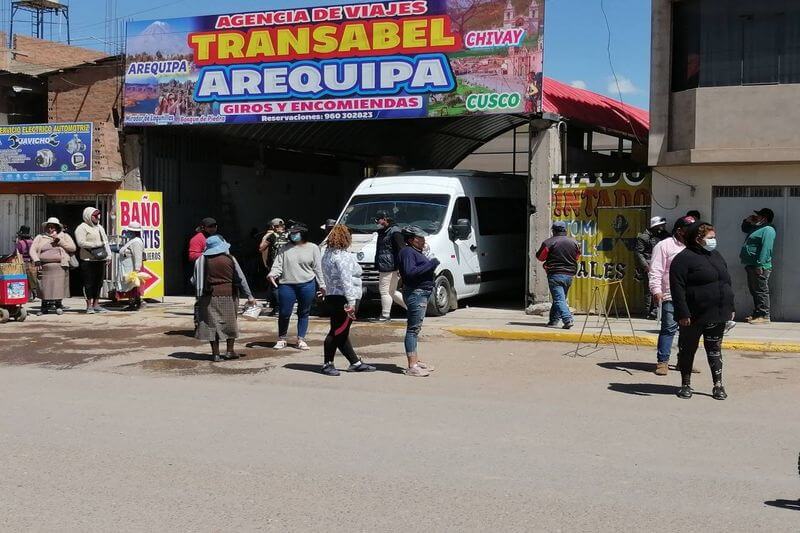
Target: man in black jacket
[(560, 256), (645, 242), (390, 242)]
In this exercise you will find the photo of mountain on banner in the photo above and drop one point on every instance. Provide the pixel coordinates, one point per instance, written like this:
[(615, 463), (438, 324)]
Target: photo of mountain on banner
[(353, 61)]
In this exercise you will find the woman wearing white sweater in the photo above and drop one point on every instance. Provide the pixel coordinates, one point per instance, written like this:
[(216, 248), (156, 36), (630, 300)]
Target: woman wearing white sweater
[(343, 284), (131, 259), (298, 267), (94, 253)]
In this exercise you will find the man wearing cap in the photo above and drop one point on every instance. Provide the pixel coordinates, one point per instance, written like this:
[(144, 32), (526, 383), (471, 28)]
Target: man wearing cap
[(197, 244), (663, 254), (560, 255), (645, 242), (756, 256), (273, 241), (390, 242)]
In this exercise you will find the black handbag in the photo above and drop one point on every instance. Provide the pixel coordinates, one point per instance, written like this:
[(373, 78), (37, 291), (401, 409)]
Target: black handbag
[(98, 254)]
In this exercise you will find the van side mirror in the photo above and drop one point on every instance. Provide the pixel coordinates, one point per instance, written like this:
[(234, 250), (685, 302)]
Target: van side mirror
[(461, 230)]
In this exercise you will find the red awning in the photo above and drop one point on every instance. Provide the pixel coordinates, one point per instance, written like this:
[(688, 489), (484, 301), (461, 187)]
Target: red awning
[(594, 109)]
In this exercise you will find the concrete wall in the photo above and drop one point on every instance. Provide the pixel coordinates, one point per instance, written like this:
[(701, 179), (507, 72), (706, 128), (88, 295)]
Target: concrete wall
[(545, 164), (744, 124)]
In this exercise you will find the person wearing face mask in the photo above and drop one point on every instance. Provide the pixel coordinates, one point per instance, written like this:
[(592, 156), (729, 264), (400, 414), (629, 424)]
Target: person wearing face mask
[(704, 302), (94, 254), (756, 256), (645, 242), (271, 244), (50, 253), (390, 242), (417, 273), (298, 269)]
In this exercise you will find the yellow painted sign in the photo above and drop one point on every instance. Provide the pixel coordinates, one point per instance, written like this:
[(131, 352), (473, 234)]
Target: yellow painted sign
[(604, 213), (146, 208)]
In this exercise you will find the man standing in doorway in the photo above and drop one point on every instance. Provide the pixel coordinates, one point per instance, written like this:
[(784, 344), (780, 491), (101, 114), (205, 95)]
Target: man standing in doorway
[(645, 242), (197, 244), (663, 254), (390, 242), (273, 242), (756, 256), (560, 256)]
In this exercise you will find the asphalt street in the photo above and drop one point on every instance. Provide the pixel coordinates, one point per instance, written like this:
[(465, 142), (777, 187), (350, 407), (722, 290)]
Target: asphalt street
[(120, 423)]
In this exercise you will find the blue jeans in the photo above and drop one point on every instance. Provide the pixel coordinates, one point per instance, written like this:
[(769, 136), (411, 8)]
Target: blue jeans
[(288, 294), (668, 330), (559, 289), (417, 304)]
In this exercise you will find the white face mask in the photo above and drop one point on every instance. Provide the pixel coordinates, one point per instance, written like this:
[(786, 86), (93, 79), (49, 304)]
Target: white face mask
[(710, 244)]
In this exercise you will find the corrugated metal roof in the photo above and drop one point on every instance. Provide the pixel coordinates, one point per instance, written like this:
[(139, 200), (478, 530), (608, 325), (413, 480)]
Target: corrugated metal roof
[(435, 142), (594, 109)]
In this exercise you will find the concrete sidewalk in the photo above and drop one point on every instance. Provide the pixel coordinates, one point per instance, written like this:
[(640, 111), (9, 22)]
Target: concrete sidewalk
[(486, 323), (778, 337)]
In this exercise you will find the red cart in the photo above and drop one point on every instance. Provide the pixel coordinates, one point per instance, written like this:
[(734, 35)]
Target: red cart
[(13, 289)]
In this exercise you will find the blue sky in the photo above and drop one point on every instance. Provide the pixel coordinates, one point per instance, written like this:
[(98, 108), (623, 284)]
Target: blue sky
[(575, 35)]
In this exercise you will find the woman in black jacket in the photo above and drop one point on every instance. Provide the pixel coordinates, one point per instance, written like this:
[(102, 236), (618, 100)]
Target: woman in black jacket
[(703, 298)]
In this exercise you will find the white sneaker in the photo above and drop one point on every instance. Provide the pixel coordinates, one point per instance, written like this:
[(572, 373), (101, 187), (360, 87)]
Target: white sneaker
[(417, 372), (280, 345), (301, 345)]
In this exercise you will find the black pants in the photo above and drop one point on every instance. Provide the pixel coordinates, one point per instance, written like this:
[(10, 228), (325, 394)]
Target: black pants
[(339, 335), (93, 273), (688, 343), (272, 296), (759, 290)]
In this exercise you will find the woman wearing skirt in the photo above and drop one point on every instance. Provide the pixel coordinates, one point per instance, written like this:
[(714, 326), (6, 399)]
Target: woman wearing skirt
[(219, 281), (50, 253)]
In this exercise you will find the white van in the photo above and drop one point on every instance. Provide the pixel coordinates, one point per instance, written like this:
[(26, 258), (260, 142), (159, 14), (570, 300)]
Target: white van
[(476, 222)]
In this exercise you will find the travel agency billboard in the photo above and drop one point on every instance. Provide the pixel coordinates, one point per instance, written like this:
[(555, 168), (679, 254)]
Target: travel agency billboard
[(353, 61)]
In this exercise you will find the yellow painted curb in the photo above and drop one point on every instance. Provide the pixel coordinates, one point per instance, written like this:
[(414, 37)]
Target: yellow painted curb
[(623, 340)]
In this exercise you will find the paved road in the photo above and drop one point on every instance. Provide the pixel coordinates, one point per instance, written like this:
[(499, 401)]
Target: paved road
[(120, 425)]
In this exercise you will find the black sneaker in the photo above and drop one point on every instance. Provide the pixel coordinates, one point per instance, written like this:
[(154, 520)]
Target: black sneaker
[(361, 367), (329, 370), (685, 392), (216, 358), (568, 325), (231, 355), (719, 392)]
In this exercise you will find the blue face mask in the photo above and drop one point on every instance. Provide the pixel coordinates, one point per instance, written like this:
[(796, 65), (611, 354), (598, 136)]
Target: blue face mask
[(710, 245), (295, 237)]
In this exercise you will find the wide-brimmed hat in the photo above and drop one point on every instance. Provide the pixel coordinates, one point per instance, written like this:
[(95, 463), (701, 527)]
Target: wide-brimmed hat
[(135, 227), (54, 221), (657, 221), (216, 245)]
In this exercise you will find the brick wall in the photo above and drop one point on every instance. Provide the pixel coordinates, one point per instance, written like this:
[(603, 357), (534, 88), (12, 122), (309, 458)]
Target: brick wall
[(51, 54), (84, 94)]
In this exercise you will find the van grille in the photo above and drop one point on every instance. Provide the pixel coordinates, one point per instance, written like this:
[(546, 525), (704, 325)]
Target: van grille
[(370, 273)]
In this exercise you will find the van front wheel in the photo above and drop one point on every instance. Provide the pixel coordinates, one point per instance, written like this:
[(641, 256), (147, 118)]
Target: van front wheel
[(441, 297)]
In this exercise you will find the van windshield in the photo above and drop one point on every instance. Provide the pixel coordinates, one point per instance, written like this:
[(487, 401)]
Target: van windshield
[(424, 210)]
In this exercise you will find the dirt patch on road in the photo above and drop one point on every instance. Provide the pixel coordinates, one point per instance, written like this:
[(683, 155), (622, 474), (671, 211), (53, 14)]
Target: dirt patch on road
[(189, 367)]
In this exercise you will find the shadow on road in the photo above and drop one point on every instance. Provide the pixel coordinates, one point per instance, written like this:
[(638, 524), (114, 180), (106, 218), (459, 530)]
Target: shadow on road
[(643, 389), (793, 505), (629, 365), (191, 356), (180, 333), (260, 345), (381, 367)]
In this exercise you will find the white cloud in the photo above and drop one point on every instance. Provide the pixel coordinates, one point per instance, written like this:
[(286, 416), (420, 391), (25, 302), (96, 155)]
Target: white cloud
[(626, 86), (579, 84)]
